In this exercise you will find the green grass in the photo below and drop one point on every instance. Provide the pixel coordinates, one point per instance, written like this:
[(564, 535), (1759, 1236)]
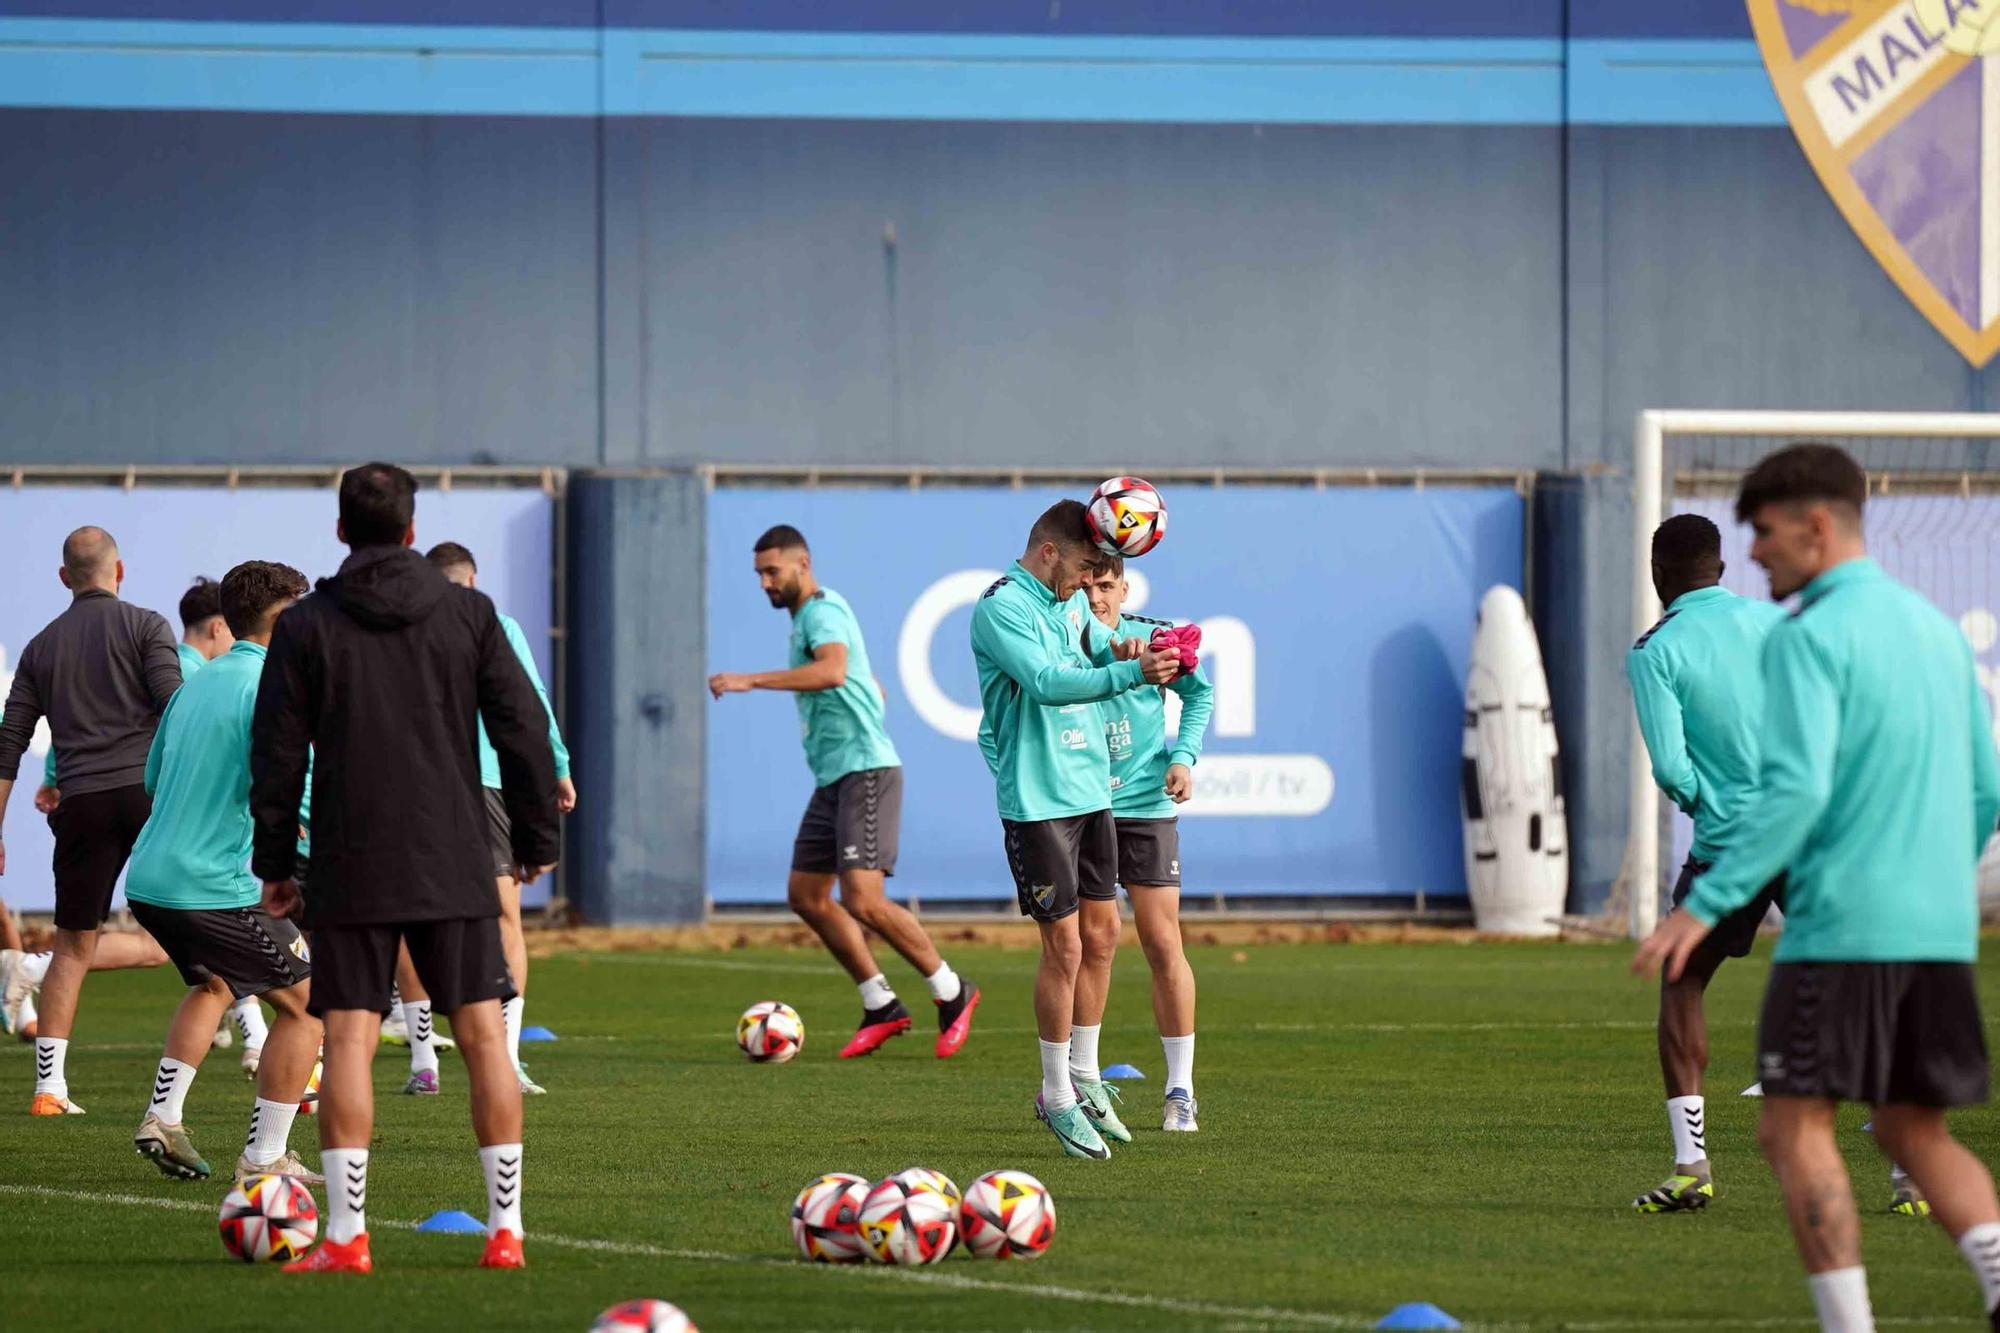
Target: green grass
[(1381, 1123)]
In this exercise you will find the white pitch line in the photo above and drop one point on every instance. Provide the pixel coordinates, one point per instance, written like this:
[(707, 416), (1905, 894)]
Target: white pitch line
[(692, 960)]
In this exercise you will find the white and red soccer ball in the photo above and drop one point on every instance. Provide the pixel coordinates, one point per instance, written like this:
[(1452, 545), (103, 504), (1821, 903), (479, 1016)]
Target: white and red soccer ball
[(826, 1219), (906, 1220), (1007, 1215), (309, 1099), (644, 1317), (269, 1217), (1127, 517), (770, 1032)]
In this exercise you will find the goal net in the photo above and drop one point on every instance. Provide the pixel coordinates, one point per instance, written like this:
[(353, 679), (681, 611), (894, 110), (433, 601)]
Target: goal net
[(1933, 521)]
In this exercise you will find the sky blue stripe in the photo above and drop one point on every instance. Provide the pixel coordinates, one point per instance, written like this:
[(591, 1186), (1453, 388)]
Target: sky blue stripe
[(448, 70)]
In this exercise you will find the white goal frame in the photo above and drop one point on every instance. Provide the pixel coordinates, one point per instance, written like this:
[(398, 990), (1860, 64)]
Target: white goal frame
[(1650, 492)]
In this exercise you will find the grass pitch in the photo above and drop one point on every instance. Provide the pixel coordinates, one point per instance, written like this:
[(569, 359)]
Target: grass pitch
[(1380, 1124)]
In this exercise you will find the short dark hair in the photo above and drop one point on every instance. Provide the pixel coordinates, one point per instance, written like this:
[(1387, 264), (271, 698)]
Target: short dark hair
[(202, 601), (783, 537), (1063, 523), (1109, 564), (1801, 474), (1688, 547), (450, 555), (377, 503), (249, 591)]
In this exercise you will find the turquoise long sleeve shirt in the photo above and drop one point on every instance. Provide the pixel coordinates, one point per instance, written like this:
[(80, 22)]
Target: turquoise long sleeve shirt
[(1135, 731), (489, 758), (1698, 685), (1040, 729), (1878, 785)]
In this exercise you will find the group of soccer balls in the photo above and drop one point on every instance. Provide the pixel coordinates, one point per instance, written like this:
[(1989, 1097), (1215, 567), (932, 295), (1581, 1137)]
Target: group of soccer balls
[(917, 1216)]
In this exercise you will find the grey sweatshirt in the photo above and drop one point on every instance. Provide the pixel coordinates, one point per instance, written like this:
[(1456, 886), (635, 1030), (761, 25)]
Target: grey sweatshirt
[(102, 673)]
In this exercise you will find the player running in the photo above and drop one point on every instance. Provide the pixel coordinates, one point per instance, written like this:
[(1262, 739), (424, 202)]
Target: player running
[(381, 674), (190, 885), (1698, 688), (455, 562), (1878, 786), (850, 825), (102, 672), (1043, 737), (1149, 777)]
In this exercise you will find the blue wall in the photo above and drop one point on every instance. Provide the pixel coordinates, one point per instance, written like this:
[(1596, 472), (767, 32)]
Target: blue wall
[(1116, 234)]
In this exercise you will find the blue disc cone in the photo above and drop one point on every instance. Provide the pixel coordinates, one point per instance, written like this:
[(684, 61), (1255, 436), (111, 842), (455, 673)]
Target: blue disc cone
[(1123, 1071), (452, 1221), (537, 1034), (1418, 1314)]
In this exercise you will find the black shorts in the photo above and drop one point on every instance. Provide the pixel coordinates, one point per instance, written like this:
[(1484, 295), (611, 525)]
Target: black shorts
[(249, 949), (500, 834), (1873, 1032), (1735, 933), (94, 837), (1149, 852), (1056, 862), (459, 962), (852, 823)]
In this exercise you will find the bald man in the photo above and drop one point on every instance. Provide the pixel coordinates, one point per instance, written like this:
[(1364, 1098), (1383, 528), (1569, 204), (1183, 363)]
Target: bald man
[(102, 673)]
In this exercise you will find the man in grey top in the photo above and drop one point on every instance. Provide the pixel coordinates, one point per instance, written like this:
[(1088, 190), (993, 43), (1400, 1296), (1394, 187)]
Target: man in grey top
[(102, 673)]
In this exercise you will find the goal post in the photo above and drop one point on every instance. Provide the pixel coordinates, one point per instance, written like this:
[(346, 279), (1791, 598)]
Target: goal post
[(1944, 538)]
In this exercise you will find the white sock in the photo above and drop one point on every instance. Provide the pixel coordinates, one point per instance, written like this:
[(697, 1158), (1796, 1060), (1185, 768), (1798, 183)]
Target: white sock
[(1057, 1092), (248, 1016), (875, 993), (1981, 1247), (1083, 1052), (1688, 1118), (510, 1014), (1841, 1297), (170, 1090), (270, 1130), (50, 1055), (1180, 1062), (35, 967), (503, 1187), (943, 983), (346, 1192), (417, 1017)]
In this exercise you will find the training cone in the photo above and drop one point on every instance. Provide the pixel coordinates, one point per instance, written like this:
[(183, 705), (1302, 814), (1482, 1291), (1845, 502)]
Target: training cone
[(537, 1034), (1123, 1071), (1418, 1314), (452, 1221)]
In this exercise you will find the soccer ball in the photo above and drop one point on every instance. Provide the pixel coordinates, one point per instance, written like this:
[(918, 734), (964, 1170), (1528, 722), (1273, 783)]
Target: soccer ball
[(644, 1317), (900, 1225), (1126, 517), (269, 1217), (826, 1219), (770, 1032), (918, 1178), (1007, 1215), (309, 1100)]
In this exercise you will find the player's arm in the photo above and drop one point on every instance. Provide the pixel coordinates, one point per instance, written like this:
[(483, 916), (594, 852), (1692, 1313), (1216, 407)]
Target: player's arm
[(1008, 638), (157, 749), (1663, 727), (565, 790), (827, 671), (1794, 780), (283, 721), (161, 661), (17, 727), (1197, 707), (989, 743), (1985, 766), (517, 726)]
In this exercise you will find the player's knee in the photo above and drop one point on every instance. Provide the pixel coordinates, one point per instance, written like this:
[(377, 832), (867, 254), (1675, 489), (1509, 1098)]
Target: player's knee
[(863, 905), (1903, 1132), (1099, 939), (1062, 951)]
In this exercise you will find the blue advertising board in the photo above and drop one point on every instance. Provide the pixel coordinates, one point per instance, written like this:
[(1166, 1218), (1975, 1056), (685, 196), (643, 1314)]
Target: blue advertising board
[(1337, 626), (168, 535)]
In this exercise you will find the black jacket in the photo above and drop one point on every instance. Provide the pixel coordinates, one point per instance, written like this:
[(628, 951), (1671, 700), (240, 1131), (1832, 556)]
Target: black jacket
[(383, 672)]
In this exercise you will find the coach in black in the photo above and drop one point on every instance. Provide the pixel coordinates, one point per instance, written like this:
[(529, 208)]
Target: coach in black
[(383, 673)]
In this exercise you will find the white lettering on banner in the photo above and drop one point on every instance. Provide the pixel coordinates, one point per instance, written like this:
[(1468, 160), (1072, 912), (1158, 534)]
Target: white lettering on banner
[(1261, 784), (934, 605), (1881, 62), (1981, 629)]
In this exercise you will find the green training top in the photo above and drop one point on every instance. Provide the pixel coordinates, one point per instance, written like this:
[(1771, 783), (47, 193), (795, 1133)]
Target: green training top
[(1040, 729), (191, 662), (1878, 785), (1135, 732), (489, 758), (1697, 681), (194, 852), (843, 729)]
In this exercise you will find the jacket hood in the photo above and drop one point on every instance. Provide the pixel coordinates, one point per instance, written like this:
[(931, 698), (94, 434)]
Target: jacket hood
[(386, 587)]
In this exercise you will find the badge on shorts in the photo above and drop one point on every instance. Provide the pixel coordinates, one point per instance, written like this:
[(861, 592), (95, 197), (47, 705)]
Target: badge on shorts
[(299, 949), (1043, 894)]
